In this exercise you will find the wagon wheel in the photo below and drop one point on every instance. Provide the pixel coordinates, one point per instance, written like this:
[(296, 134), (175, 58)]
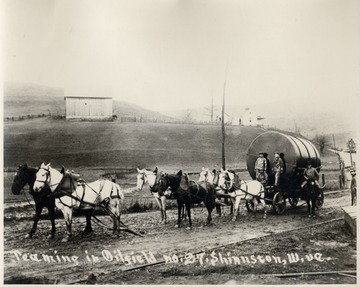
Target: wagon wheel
[(279, 203), (293, 201), (320, 199), (250, 205)]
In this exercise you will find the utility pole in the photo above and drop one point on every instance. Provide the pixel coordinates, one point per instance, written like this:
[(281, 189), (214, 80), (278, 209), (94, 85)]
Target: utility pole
[(223, 122), (212, 108)]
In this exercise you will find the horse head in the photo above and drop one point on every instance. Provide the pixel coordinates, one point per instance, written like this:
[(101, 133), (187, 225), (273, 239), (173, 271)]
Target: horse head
[(42, 177), (168, 184), (140, 179), (215, 180), (203, 175), (207, 175), (145, 176), (21, 178), (228, 180), (47, 176), (160, 183), (223, 179), (234, 179)]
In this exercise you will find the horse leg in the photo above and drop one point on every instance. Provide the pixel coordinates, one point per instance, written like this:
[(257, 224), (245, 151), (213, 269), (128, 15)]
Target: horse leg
[(38, 209), (236, 207), (68, 221), (115, 213), (265, 208), (163, 210), (180, 205), (218, 209), (51, 210), (231, 205), (313, 202), (255, 202), (183, 213), (158, 201), (188, 206), (209, 207), (308, 207), (116, 227), (88, 228)]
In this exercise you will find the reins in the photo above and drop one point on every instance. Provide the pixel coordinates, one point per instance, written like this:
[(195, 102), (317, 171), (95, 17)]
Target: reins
[(60, 193), (234, 187), (27, 199)]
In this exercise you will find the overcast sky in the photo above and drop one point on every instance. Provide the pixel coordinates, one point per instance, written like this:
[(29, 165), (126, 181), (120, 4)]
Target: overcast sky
[(173, 54)]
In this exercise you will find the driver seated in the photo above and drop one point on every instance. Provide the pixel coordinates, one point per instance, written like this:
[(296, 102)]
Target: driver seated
[(310, 173)]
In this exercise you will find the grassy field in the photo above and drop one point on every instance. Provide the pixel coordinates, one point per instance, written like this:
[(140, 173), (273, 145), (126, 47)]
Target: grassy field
[(96, 149), (123, 145)]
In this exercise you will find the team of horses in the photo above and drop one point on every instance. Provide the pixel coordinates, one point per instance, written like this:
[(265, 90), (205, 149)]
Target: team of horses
[(68, 191)]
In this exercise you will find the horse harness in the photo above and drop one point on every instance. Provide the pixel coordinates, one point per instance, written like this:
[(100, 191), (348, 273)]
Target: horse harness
[(237, 186), (190, 184), (159, 185), (59, 193)]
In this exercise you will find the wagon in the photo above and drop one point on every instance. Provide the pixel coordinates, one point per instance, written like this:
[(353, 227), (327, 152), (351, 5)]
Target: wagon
[(295, 153)]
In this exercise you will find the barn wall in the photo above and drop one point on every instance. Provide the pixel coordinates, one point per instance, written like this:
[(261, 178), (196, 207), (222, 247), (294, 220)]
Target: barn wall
[(88, 108)]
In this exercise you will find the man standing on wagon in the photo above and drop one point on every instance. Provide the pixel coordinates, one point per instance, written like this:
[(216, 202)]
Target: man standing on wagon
[(278, 168), (260, 169)]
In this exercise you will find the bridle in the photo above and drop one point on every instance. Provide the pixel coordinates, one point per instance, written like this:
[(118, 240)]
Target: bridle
[(141, 176), (144, 179), (205, 175), (160, 184), (48, 176), (225, 186), (47, 180)]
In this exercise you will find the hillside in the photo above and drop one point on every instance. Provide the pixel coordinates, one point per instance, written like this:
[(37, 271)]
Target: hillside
[(309, 120), (123, 145), (30, 99)]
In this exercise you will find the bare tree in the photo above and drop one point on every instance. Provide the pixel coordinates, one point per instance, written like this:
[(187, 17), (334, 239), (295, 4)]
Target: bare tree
[(187, 118)]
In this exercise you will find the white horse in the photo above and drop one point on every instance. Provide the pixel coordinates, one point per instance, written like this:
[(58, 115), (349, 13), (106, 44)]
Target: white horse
[(212, 176), (207, 175), (253, 191), (150, 177), (70, 194)]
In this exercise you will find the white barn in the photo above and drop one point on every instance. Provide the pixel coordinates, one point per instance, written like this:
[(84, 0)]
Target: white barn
[(94, 108)]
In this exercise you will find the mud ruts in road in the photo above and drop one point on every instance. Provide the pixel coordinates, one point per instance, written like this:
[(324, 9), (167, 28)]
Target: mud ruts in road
[(171, 250)]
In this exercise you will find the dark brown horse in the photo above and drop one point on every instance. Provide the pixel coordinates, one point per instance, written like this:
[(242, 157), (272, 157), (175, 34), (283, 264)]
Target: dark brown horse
[(312, 193), (27, 175), (188, 192)]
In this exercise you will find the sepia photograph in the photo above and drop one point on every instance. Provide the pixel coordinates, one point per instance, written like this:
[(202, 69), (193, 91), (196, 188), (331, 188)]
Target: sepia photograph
[(180, 142)]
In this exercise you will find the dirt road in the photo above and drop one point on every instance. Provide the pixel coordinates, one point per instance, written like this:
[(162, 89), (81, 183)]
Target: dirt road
[(203, 255)]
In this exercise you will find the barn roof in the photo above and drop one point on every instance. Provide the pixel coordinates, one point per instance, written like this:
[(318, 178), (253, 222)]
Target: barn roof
[(79, 97)]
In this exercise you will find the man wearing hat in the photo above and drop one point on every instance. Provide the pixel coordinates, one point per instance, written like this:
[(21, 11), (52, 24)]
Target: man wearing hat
[(260, 169), (278, 168), (310, 173)]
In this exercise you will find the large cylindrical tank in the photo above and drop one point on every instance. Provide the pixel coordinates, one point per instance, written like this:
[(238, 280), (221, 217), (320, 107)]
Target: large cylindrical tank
[(296, 152)]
